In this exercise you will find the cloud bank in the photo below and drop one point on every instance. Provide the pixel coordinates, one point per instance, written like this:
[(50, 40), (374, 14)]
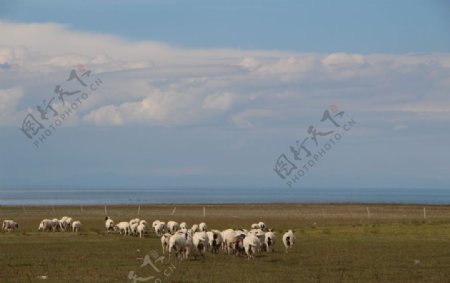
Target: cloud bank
[(155, 84)]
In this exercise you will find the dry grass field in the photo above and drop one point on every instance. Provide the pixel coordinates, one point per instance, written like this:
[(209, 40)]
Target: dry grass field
[(335, 243)]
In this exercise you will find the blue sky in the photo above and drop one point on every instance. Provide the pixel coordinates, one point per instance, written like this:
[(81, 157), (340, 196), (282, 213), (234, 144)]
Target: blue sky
[(211, 93), (303, 26)]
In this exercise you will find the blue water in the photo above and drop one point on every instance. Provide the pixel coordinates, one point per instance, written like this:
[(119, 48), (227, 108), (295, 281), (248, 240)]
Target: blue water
[(61, 196)]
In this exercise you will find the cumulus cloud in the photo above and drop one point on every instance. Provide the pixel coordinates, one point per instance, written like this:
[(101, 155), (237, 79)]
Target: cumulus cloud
[(218, 101), (156, 84), (343, 60), (106, 115), (249, 63)]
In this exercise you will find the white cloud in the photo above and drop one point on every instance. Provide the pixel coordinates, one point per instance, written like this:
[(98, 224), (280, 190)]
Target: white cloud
[(218, 101), (343, 60), (249, 63), (107, 115), (157, 84)]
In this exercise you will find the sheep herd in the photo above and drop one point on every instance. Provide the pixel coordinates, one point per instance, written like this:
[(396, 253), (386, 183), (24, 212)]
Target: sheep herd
[(54, 225), (60, 224), (180, 240)]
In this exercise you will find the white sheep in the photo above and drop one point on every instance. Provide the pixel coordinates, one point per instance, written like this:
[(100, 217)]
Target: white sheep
[(165, 242), (133, 228), (201, 242), (177, 243), (9, 225), (172, 227), (195, 228), (56, 224), (160, 228), (242, 231), (46, 224), (62, 223), (227, 235), (252, 245), (65, 222), (262, 226), (258, 233), (202, 227), (183, 225), (269, 241), (143, 222), (233, 241), (255, 226), (141, 229), (155, 223), (133, 221), (109, 224), (76, 226), (123, 227), (215, 240), (288, 240)]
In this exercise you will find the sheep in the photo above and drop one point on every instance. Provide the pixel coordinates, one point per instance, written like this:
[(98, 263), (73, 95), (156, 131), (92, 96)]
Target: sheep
[(65, 222), (184, 230), (9, 225), (141, 229), (172, 227), (288, 240), (242, 231), (46, 224), (269, 241), (252, 245), (109, 224), (262, 226), (189, 244), (165, 241), (227, 235), (49, 224), (123, 226), (143, 222), (76, 226), (201, 242), (56, 224), (255, 226), (233, 241), (177, 243), (155, 223), (215, 240), (133, 228), (62, 223), (183, 225), (202, 227), (195, 228), (133, 221), (160, 227), (258, 233)]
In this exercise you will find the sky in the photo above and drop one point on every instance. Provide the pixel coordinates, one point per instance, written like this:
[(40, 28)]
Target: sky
[(217, 94)]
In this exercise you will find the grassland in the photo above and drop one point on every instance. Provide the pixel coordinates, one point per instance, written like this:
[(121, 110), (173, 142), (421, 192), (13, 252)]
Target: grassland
[(335, 243)]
